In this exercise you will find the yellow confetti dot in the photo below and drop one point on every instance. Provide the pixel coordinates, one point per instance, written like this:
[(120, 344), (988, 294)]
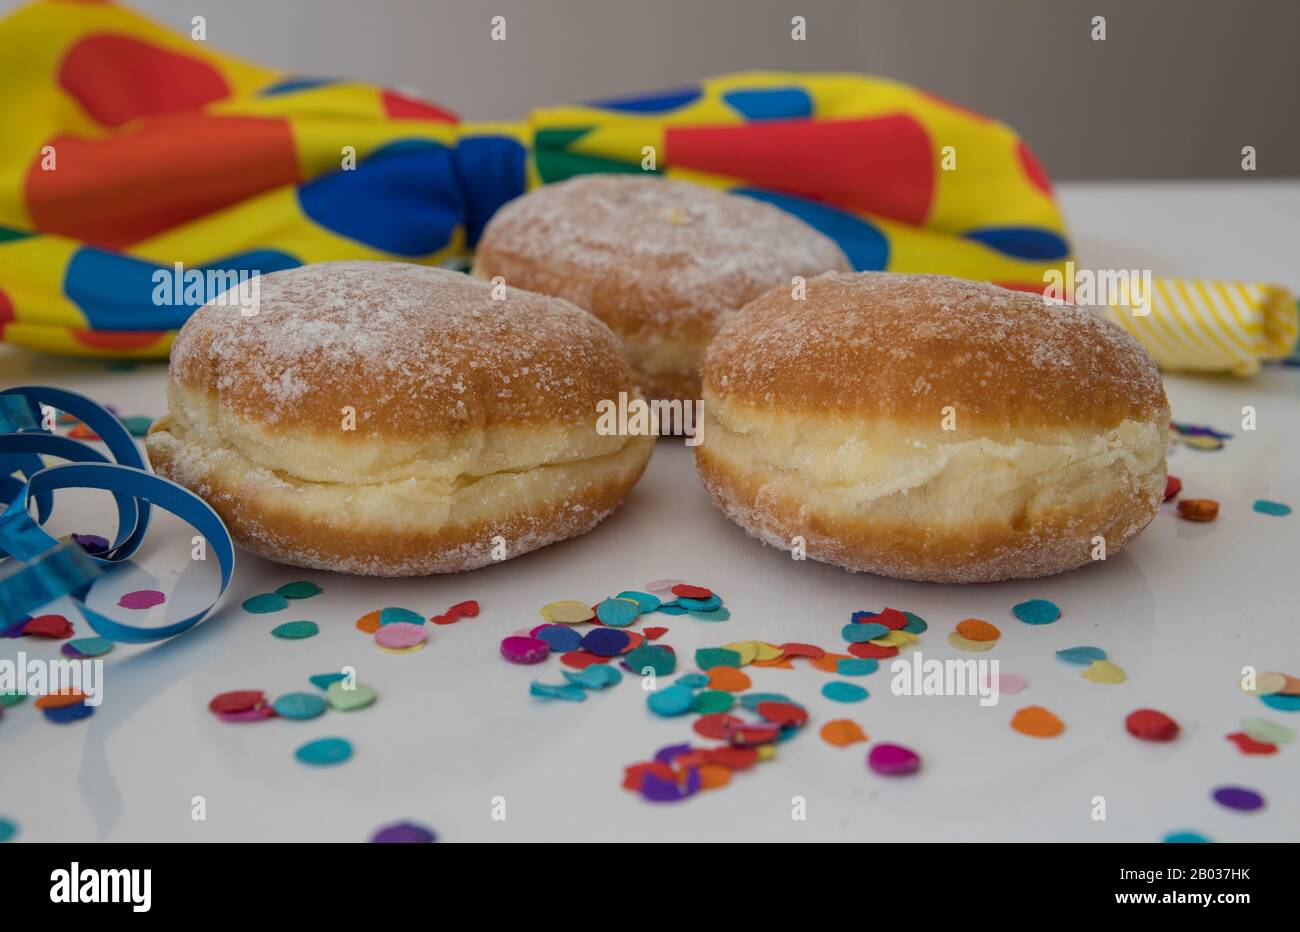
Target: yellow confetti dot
[(966, 644), (895, 639), (768, 651), (748, 651), (766, 751), (567, 612), (1266, 684), (1103, 671)]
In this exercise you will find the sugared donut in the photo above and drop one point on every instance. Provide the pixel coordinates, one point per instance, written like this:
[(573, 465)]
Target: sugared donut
[(660, 261), (934, 429), (394, 420)]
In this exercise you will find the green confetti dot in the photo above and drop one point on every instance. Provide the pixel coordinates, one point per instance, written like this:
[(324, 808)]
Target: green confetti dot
[(915, 624), (303, 589), (347, 700), (706, 658), (91, 647), (265, 603), (713, 700), (657, 658), (137, 426), (11, 699), (296, 630)]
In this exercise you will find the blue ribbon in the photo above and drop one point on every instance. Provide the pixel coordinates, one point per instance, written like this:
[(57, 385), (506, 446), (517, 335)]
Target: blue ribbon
[(36, 567)]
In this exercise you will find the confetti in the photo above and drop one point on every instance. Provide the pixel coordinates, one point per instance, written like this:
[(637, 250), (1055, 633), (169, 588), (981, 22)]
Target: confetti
[(8, 700), (323, 680), (137, 425), (598, 676), (854, 666), (1103, 671), (838, 691), (646, 602), (683, 591), (296, 630), (1173, 485), (48, 626), (1266, 683), (265, 603), (842, 732), (617, 613), (729, 679), (1266, 732), (1037, 722), (580, 659), (342, 699), (713, 701), (654, 633), (660, 660), (706, 658), (1081, 656), (606, 642), (93, 544), (662, 585), (657, 790), (467, 609), (872, 651), (86, 647), (8, 829), (60, 700), (1037, 612), (566, 692), (1282, 703), (62, 715), (1248, 745), (715, 724), (559, 638), (915, 624), (524, 650), (965, 644), (567, 612), (857, 633), (893, 760), (674, 700), (1241, 798), (403, 833), (299, 706), (783, 713), (303, 589), (718, 614), (1277, 509), (693, 680), (1151, 725), (974, 629), (401, 636), (1186, 838), (240, 700), (324, 751), (1198, 509), (1009, 683)]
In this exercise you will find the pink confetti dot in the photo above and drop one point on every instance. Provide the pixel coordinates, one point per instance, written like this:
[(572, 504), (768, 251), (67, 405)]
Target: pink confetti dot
[(524, 649), (142, 599), (1009, 683), (400, 635), (893, 760)]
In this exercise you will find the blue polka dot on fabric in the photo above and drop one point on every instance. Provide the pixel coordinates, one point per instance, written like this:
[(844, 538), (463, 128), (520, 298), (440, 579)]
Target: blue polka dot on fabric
[(865, 246), (1082, 656), (860, 634), (837, 691), (324, 751), (1022, 242), (770, 103), (1037, 612)]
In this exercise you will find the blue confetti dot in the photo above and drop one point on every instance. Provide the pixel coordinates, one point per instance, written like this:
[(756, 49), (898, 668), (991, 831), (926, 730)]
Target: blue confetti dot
[(605, 642), (843, 692), (1277, 509), (915, 624), (323, 680), (644, 600), (265, 603), (616, 613), (596, 676), (701, 605), (856, 666), (69, 713), (324, 751), (860, 634), (1186, 838), (671, 608), (1082, 656), (391, 616), (675, 700), (549, 691), (299, 706), (8, 829), (1037, 612), (1281, 703), (559, 638)]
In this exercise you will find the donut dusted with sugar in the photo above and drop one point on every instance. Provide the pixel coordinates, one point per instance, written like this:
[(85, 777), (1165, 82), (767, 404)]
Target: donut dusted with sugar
[(395, 420), (663, 262), (933, 429)]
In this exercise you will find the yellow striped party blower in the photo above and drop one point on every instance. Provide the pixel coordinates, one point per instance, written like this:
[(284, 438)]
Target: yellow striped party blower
[(143, 174)]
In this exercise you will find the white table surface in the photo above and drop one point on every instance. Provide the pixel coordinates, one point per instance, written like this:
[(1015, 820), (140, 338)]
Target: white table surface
[(1182, 611)]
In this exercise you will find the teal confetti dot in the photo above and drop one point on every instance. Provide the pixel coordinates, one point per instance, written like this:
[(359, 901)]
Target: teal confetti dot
[(91, 647), (693, 680), (1277, 509), (644, 600), (296, 630), (323, 680), (136, 425), (1037, 612), (615, 613), (1186, 838), (671, 608), (712, 603), (8, 829), (265, 603), (549, 691), (752, 701), (713, 700), (391, 616), (324, 752), (860, 634), (596, 676), (1082, 656), (1281, 703), (653, 656), (915, 624), (299, 706), (12, 699), (303, 589), (856, 666), (718, 614), (706, 658), (675, 700), (837, 691)]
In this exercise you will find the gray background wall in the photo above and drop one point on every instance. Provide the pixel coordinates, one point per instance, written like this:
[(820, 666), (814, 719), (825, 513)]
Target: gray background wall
[(1175, 91)]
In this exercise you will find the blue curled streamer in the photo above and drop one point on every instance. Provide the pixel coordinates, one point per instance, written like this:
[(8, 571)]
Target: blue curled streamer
[(36, 567)]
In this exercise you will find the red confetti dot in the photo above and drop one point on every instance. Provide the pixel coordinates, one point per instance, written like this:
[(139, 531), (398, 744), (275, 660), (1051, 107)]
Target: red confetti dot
[(634, 774), (733, 758), (782, 713), (445, 619), (239, 700), (715, 726), (467, 609), (750, 735), (891, 618), (869, 651), (1173, 485), (581, 659), (683, 591), (1151, 725), (794, 649), (654, 634), (1248, 745), (48, 626)]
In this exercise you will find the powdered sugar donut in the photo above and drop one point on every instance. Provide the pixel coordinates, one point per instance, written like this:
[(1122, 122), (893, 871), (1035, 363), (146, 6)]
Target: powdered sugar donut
[(662, 262), (394, 420), (931, 428)]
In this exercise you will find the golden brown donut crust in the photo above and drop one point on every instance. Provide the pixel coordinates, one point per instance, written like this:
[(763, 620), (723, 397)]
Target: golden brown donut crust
[(658, 260), (825, 422)]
